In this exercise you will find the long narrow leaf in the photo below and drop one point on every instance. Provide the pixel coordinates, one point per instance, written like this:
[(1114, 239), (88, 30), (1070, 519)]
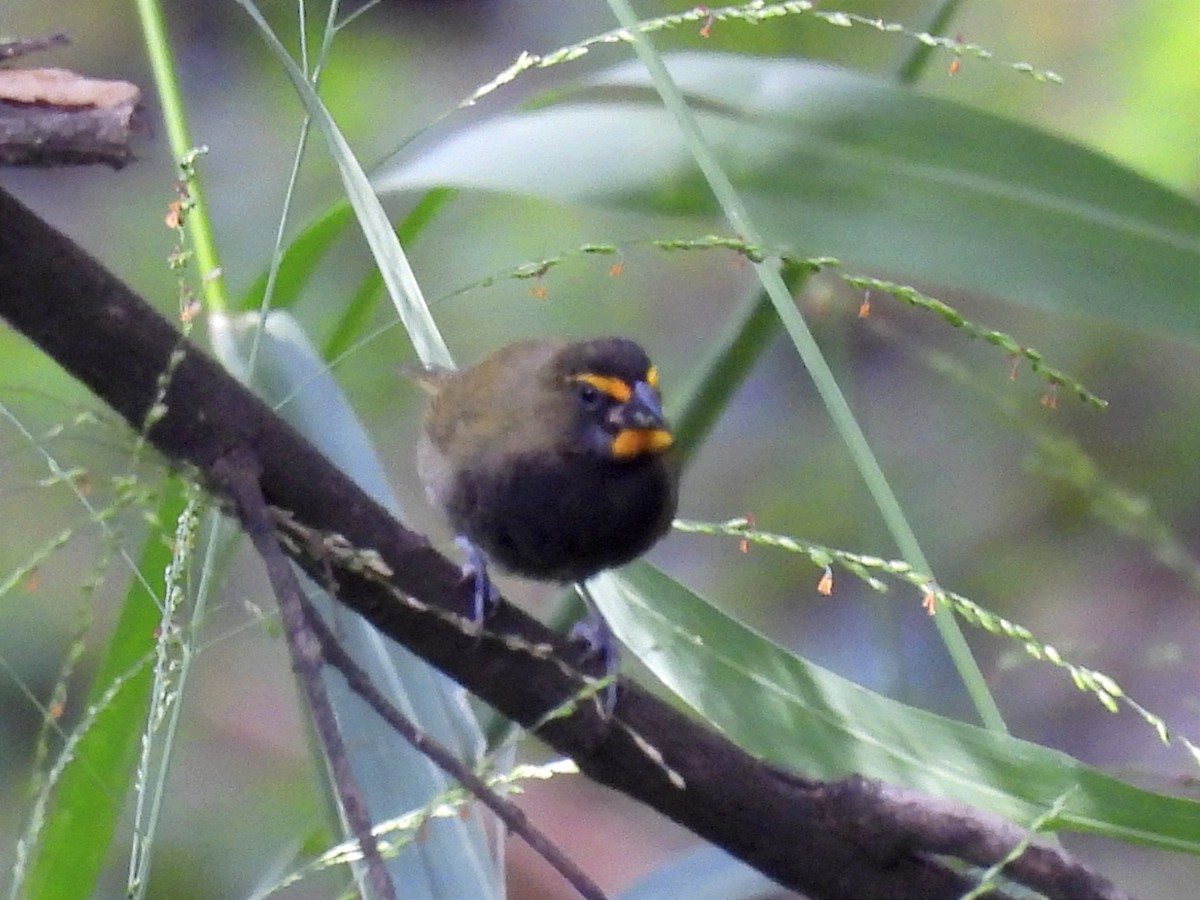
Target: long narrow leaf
[(301, 259), (389, 255), (455, 860), (832, 162), (798, 715)]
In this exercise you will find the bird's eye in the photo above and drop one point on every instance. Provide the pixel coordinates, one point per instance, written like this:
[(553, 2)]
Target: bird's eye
[(590, 395)]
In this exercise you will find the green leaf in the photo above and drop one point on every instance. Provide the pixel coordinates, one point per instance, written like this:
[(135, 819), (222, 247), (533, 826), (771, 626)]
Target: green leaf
[(90, 793), (359, 311), (797, 715), (832, 162), (356, 314), (300, 259), (302, 256)]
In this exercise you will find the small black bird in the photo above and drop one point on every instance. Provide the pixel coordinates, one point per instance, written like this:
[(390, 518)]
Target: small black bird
[(550, 459)]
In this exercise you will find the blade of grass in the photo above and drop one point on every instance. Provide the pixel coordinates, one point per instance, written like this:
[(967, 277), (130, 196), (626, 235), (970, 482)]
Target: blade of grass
[(389, 255), (175, 643), (916, 61), (730, 359), (361, 308), (162, 64), (89, 795), (831, 394)]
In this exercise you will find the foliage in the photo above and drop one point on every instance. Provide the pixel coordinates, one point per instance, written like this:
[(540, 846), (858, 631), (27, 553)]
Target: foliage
[(893, 191)]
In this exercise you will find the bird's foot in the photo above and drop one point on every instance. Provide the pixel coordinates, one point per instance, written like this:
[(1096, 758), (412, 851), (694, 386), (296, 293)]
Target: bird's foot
[(486, 596), (593, 632)]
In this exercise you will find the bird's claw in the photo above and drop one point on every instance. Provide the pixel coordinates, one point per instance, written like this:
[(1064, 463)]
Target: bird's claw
[(485, 595), (593, 632)]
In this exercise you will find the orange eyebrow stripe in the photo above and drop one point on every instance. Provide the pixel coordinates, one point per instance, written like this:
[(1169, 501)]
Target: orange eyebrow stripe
[(652, 376), (617, 388)]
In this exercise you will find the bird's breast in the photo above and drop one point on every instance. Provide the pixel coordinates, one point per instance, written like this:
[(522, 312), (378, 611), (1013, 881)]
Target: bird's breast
[(560, 517)]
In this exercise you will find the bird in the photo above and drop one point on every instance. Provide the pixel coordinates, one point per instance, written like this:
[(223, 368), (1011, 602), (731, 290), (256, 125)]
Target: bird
[(551, 459)]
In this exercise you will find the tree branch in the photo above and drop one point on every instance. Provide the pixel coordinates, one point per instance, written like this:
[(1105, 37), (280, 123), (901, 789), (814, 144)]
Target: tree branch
[(851, 839), (53, 117)]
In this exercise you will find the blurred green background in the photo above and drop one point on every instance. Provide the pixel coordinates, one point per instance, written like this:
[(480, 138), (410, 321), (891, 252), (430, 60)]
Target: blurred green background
[(995, 523)]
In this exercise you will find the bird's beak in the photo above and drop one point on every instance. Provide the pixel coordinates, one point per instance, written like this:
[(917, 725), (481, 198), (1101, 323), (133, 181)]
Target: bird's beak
[(641, 426)]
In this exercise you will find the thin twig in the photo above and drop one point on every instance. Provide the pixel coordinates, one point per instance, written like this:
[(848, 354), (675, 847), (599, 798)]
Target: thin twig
[(238, 469), (508, 812)]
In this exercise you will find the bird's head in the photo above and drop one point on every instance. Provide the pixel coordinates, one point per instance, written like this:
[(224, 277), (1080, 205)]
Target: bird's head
[(607, 393)]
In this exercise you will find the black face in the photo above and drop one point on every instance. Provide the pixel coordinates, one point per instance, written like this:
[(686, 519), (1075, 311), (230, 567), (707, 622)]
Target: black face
[(614, 387), (596, 425)]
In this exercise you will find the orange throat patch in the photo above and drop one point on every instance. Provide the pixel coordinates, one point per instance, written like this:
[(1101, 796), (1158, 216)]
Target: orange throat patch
[(633, 442)]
